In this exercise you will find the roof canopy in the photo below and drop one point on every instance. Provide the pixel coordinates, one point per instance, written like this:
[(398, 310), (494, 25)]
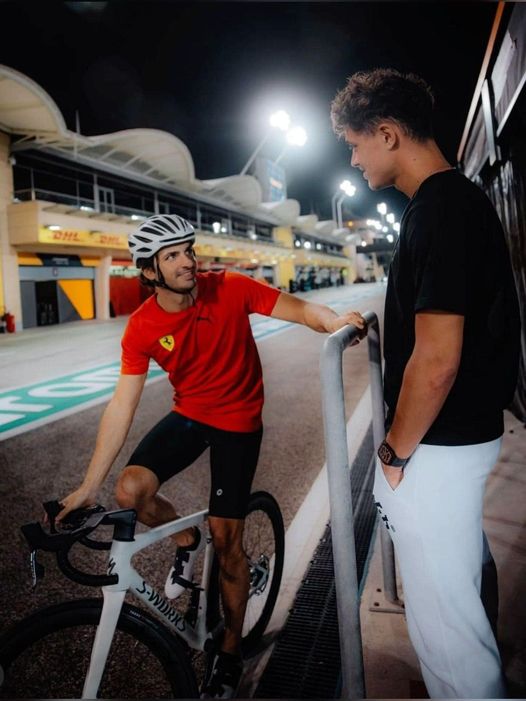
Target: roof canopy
[(286, 211), (150, 153), (326, 230), (25, 108), (144, 154), (240, 190), (307, 223), (326, 227)]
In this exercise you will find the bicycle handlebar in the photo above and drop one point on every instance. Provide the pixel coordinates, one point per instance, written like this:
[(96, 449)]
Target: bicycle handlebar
[(77, 525)]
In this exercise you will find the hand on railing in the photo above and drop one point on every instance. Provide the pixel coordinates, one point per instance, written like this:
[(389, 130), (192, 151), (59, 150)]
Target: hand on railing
[(352, 318)]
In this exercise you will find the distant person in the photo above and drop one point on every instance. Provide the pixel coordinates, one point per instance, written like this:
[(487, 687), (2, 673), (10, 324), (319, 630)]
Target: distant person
[(451, 345), (196, 327), (305, 280)]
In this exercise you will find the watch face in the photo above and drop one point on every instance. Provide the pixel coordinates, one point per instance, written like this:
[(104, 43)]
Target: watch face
[(385, 454)]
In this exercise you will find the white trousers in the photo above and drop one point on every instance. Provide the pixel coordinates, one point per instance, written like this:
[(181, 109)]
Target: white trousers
[(435, 520)]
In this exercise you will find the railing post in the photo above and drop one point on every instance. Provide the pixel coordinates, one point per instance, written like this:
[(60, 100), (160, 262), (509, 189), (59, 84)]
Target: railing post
[(378, 411), (344, 552), (96, 193), (340, 495)]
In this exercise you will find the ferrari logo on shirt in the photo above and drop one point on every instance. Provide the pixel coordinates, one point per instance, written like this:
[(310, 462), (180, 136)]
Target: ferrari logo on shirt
[(167, 342)]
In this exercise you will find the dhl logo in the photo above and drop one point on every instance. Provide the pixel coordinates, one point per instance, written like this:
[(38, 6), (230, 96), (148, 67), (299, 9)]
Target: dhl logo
[(107, 239), (83, 238), (66, 236)]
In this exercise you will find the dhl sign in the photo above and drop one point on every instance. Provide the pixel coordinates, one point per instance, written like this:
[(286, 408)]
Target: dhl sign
[(75, 237)]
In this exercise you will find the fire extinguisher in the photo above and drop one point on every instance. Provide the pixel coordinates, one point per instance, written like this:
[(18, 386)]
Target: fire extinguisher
[(9, 322)]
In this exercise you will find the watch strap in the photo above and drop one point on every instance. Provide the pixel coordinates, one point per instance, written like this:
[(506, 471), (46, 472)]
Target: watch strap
[(388, 456)]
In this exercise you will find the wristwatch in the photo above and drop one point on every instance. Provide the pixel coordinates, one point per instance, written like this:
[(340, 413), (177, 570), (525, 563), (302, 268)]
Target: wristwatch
[(389, 457)]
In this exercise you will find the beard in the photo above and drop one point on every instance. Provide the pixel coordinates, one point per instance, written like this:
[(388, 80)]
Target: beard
[(180, 286)]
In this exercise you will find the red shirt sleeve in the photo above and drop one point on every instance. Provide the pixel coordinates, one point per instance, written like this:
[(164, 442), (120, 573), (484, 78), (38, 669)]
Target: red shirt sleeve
[(258, 297), (134, 360)]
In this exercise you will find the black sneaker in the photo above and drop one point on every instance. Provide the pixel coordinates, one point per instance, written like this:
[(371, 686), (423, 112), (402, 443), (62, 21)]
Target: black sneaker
[(223, 679), (180, 575)]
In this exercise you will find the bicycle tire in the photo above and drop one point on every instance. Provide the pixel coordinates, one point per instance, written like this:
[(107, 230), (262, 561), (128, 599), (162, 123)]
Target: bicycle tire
[(256, 546), (62, 635)]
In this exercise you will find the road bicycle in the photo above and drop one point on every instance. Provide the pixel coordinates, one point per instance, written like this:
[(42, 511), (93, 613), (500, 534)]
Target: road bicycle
[(108, 648)]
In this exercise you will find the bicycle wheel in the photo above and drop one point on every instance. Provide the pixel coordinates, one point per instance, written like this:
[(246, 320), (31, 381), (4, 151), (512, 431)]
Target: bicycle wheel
[(47, 655), (264, 545)]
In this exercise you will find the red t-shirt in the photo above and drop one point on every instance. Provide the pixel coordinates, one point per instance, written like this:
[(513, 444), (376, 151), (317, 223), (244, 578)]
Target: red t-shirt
[(208, 350)]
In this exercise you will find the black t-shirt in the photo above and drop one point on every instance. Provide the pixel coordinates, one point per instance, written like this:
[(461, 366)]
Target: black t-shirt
[(452, 256)]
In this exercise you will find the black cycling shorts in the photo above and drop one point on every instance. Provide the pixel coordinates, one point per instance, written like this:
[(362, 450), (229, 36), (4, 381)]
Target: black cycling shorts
[(176, 442)]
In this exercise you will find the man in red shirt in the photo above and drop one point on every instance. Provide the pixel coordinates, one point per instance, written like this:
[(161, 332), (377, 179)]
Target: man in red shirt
[(196, 327)]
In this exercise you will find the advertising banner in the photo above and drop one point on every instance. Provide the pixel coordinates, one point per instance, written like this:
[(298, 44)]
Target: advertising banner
[(75, 237)]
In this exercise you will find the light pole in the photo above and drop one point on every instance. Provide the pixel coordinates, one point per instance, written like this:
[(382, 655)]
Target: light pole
[(333, 205), (296, 136), (278, 120), (349, 190)]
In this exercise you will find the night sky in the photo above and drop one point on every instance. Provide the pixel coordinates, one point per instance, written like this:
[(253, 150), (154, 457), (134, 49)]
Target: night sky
[(211, 73)]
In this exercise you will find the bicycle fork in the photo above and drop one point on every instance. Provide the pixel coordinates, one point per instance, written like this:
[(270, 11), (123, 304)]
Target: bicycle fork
[(111, 610)]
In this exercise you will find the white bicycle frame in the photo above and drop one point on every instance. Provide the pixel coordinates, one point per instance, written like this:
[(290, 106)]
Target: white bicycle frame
[(120, 557)]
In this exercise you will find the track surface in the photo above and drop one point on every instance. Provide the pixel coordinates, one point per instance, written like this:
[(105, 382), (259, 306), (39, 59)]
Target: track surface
[(49, 461)]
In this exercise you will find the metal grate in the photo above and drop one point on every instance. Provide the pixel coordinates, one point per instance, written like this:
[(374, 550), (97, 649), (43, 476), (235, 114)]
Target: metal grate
[(305, 662)]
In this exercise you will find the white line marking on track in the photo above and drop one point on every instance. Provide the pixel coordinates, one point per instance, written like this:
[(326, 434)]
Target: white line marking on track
[(66, 412)]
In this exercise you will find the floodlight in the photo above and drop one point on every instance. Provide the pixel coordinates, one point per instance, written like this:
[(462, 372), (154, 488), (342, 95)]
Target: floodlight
[(348, 188), (280, 120), (297, 136)]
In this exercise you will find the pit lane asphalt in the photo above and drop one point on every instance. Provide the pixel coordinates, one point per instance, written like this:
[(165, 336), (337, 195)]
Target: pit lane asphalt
[(50, 461)]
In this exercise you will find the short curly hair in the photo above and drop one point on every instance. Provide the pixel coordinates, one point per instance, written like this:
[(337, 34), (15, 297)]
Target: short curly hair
[(371, 97)]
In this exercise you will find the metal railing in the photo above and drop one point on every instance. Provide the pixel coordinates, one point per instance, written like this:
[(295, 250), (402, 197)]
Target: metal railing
[(342, 519), (77, 203)]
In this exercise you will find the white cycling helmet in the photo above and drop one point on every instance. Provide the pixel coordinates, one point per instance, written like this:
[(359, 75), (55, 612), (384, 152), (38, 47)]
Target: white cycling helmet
[(157, 232)]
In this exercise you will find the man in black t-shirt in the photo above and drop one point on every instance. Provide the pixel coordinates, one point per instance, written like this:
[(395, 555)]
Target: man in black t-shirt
[(451, 347)]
